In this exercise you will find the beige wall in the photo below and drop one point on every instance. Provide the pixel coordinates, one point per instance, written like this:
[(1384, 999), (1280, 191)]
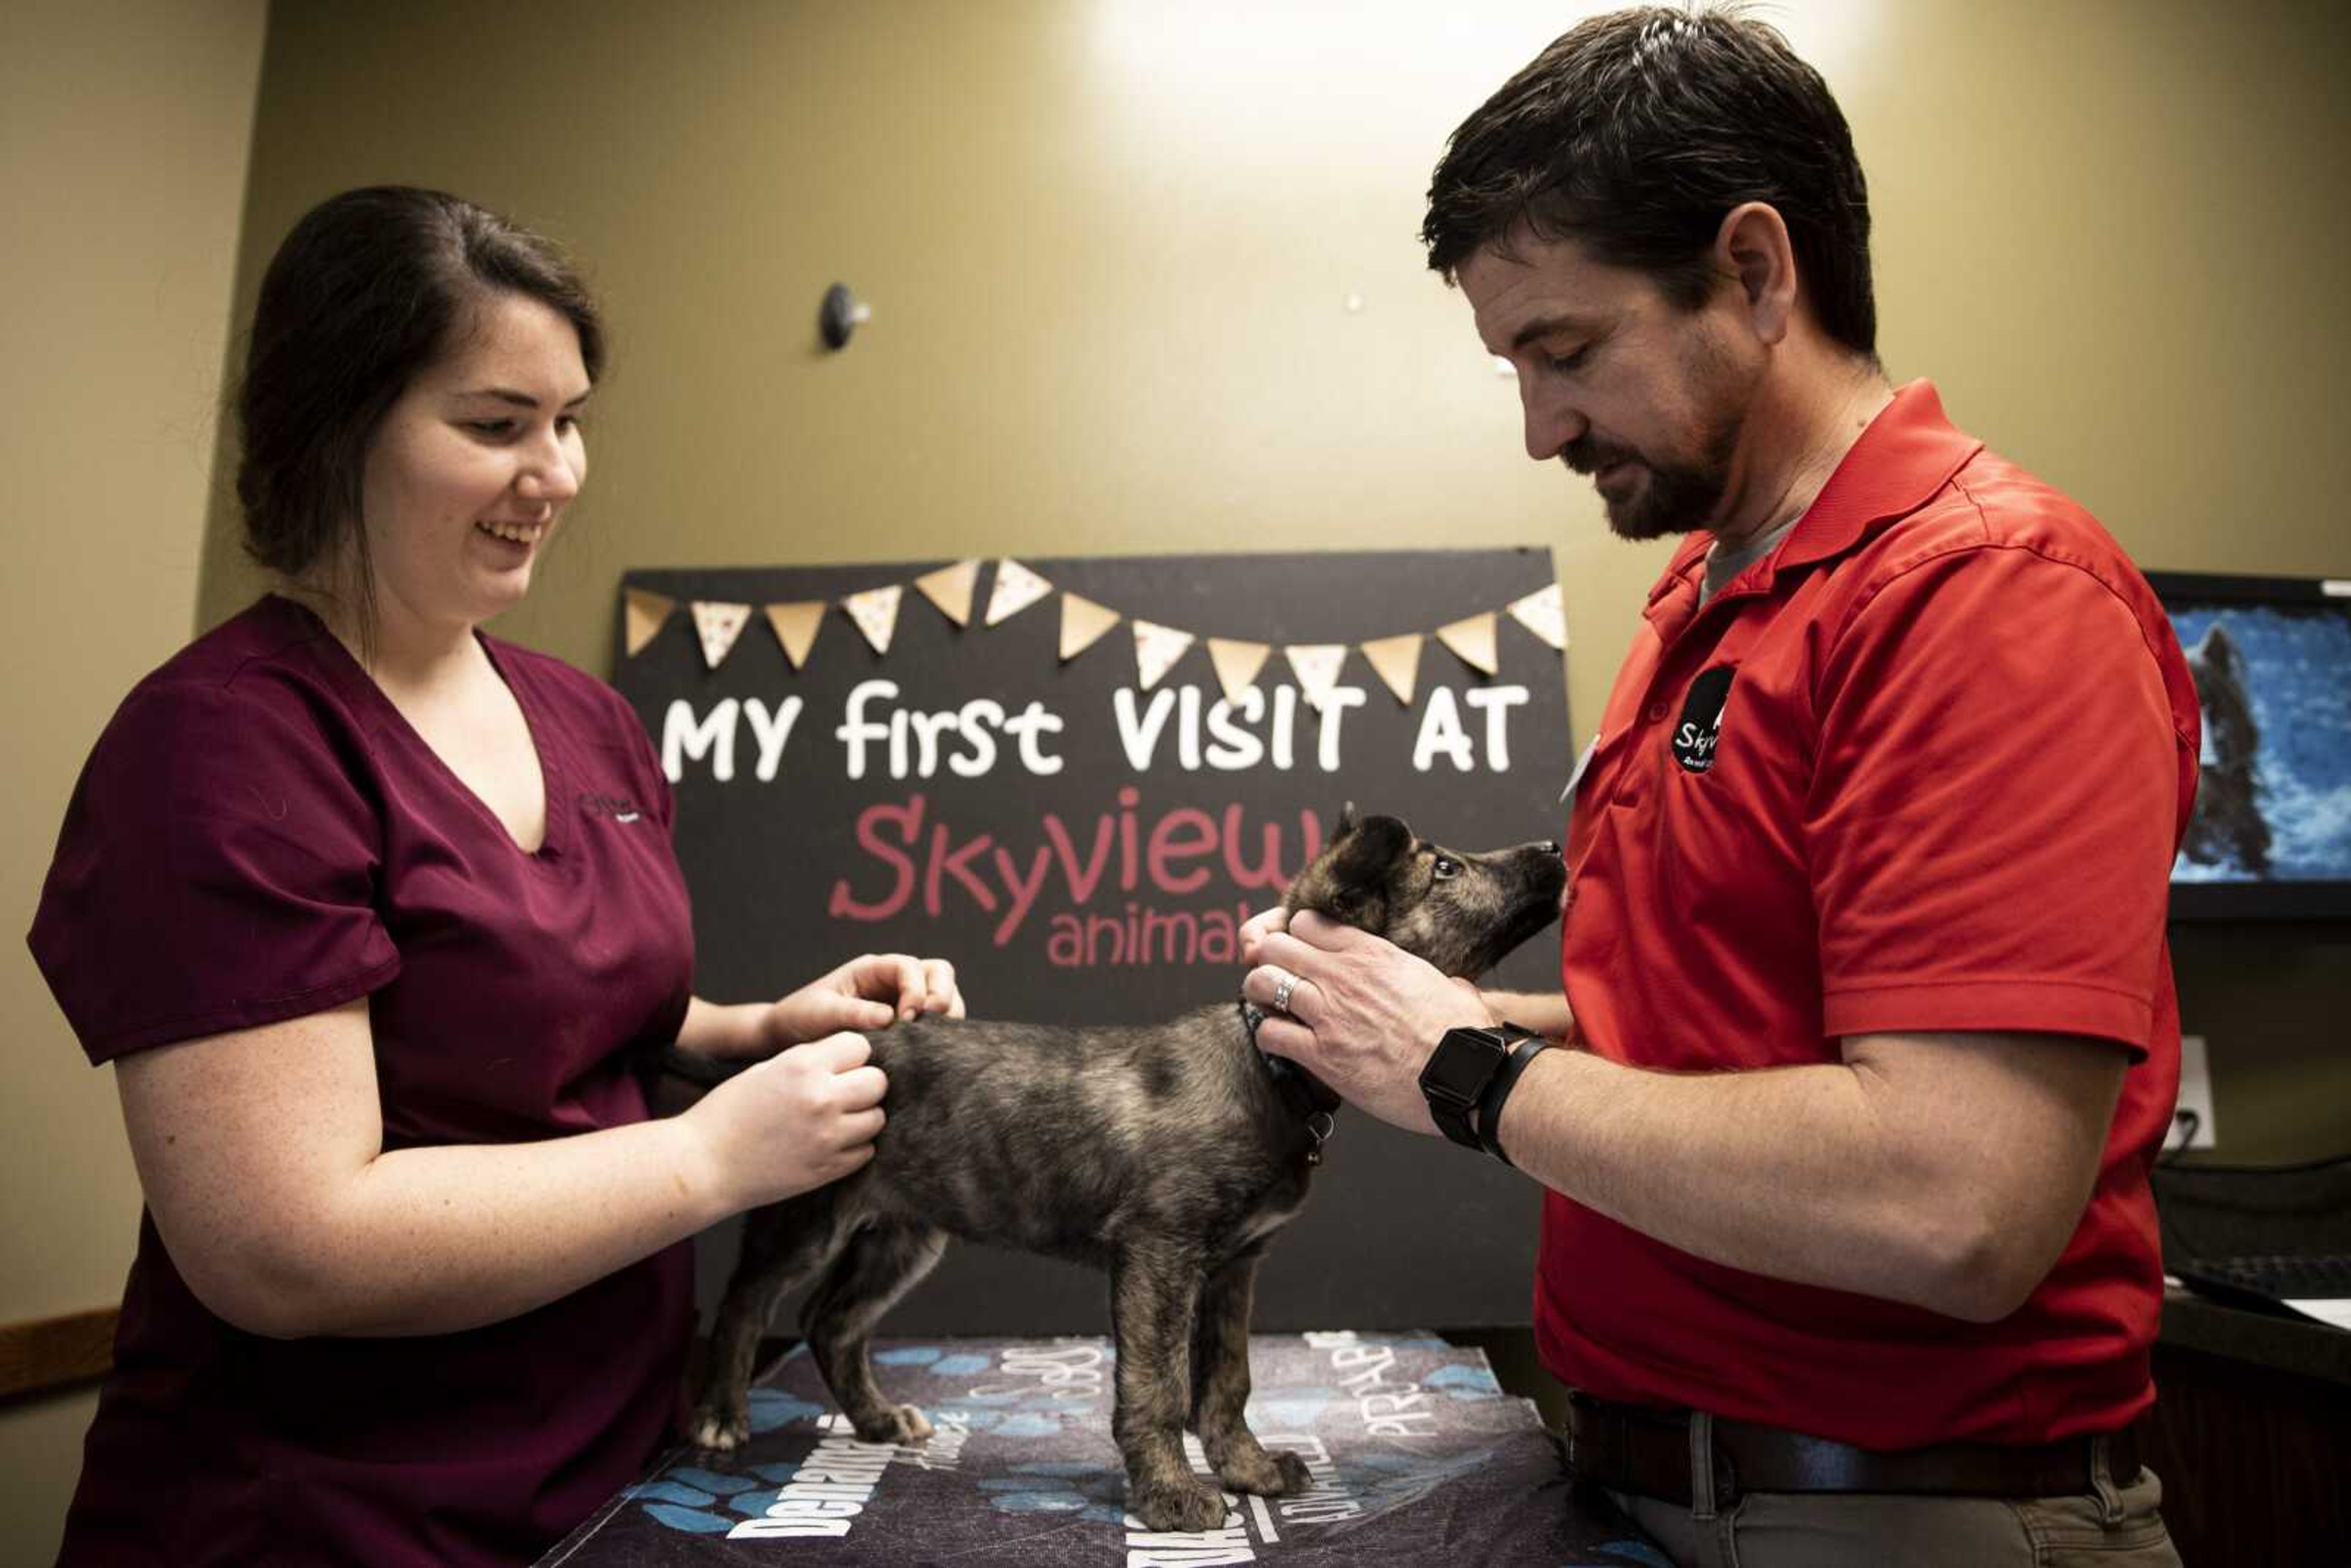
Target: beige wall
[(1109, 247), (125, 127)]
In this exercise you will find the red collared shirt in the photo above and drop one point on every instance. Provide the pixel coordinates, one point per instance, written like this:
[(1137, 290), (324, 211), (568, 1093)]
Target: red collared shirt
[(1923, 767)]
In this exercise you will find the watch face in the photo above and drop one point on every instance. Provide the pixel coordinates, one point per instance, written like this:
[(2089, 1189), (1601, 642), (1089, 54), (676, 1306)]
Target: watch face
[(1463, 1062)]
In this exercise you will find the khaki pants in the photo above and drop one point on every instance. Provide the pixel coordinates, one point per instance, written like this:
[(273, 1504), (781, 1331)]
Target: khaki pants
[(2112, 1525)]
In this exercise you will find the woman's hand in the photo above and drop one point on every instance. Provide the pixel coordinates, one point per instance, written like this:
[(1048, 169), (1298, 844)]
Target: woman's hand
[(792, 1123), (867, 993)]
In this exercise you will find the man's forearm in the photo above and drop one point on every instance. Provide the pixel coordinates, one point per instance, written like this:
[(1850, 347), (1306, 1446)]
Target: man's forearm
[(1545, 1012), (1790, 1173)]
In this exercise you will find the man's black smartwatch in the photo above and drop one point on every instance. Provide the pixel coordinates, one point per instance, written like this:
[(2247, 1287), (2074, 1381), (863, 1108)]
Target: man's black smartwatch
[(1465, 1064)]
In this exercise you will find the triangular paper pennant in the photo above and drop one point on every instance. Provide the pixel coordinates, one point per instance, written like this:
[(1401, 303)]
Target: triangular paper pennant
[(875, 610), (1083, 623), (1317, 667), (796, 625), (718, 625), (1397, 662), (1017, 588), (1544, 613), (950, 587), (1156, 649), (1473, 638), (644, 615), (1237, 664)]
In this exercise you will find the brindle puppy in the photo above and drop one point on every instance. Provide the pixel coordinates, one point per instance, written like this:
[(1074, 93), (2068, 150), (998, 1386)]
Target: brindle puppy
[(1166, 1155)]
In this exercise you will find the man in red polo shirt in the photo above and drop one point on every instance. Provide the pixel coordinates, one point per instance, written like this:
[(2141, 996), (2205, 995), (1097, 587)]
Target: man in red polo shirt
[(1848, 1249)]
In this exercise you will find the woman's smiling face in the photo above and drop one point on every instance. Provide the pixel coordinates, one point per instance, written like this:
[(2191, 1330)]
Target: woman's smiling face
[(471, 470)]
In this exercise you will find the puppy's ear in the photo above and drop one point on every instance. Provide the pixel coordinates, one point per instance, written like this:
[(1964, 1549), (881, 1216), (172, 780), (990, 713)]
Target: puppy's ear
[(1351, 880)]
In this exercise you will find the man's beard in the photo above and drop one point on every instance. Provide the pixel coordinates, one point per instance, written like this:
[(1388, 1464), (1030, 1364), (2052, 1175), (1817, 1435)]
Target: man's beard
[(1673, 497)]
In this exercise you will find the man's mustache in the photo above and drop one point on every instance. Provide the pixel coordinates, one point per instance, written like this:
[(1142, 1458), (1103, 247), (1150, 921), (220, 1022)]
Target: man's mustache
[(1587, 456)]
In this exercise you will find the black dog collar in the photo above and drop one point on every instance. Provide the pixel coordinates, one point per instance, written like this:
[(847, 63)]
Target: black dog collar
[(1312, 1100)]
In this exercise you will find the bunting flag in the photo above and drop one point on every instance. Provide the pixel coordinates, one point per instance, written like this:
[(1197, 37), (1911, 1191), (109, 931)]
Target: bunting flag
[(1156, 649), (1317, 667), (646, 614), (718, 625), (1544, 613), (1472, 637), (875, 610), (797, 626), (1017, 588), (950, 587), (1237, 664), (1083, 623), (1397, 661)]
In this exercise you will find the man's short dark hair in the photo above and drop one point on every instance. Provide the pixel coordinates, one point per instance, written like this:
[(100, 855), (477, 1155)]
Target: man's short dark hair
[(1636, 132)]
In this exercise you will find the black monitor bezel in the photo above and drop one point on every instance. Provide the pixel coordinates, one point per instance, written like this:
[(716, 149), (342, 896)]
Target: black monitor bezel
[(2203, 901)]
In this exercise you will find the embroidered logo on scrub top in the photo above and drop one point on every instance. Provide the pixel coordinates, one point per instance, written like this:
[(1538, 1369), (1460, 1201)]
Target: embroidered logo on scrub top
[(1701, 721), (620, 808)]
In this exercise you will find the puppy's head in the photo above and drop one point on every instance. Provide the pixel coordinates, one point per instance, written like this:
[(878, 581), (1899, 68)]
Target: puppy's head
[(1459, 910)]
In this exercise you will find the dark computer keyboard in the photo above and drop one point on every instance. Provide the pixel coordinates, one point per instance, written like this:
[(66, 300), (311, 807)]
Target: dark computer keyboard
[(2269, 1281)]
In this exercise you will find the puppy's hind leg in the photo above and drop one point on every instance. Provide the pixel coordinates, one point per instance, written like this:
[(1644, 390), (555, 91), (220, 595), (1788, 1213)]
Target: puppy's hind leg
[(1155, 1292), (881, 1264), (782, 1245), (1220, 1390)]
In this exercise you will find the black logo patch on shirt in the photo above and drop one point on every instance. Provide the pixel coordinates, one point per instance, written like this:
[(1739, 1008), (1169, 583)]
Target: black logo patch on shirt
[(1696, 730)]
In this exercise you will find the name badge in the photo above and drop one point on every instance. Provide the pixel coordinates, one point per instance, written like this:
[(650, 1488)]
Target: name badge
[(1567, 796)]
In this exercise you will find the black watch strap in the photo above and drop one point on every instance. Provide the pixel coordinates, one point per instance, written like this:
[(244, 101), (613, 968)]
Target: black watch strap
[(1456, 1081), (1489, 1104)]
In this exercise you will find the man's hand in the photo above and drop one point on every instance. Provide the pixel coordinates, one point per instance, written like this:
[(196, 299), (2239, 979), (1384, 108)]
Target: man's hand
[(1362, 1015), (869, 992)]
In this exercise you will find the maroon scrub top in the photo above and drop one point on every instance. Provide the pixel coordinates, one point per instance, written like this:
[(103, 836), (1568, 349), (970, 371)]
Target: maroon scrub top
[(258, 836)]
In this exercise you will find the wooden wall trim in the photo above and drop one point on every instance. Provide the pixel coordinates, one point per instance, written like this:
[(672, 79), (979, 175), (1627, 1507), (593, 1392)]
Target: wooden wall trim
[(42, 1354)]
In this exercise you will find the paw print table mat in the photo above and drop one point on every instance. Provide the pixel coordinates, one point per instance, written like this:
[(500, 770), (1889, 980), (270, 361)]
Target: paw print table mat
[(1417, 1458)]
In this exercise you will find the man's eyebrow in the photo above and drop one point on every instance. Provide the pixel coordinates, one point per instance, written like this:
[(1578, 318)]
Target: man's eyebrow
[(1545, 326), (519, 399)]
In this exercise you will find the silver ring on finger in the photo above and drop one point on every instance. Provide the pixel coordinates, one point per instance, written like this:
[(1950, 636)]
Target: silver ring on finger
[(1282, 992)]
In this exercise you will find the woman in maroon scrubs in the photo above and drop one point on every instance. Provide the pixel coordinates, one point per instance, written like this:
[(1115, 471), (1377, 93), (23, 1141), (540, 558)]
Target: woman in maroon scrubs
[(375, 914)]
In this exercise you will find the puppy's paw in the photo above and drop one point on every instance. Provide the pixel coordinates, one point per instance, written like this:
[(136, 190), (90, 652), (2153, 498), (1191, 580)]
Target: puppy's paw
[(1178, 1508), (718, 1431), (898, 1423), (1264, 1473)]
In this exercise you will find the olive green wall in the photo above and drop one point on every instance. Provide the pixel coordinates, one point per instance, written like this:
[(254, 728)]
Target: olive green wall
[(1110, 245), (1110, 248), (124, 131)]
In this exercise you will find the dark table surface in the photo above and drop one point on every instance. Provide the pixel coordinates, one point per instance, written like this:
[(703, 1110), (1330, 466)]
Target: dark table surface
[(1418, 1458)]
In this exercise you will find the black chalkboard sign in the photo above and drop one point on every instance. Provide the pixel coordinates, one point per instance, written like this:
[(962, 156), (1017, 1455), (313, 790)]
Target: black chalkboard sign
[(1083, 846)]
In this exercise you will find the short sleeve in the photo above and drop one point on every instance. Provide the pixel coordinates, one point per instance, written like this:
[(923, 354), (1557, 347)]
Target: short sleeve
[(1994, 804), (218, 870)]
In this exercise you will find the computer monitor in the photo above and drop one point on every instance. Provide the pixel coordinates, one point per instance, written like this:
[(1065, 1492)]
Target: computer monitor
[(2271, 838)]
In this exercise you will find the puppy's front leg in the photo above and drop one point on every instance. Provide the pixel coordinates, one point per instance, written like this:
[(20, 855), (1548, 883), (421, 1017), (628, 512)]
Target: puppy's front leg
[(1155, 1294), (1220, 1390)]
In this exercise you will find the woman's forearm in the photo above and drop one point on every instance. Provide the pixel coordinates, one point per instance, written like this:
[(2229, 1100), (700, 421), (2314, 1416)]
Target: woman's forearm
[(438, 1239), (724, 1031)]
